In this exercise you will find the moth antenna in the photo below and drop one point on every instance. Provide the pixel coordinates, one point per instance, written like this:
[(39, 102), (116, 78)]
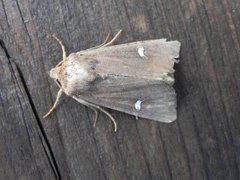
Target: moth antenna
[(98, 107), (59, 94), (104, 42), (113, 39), (62, 46)]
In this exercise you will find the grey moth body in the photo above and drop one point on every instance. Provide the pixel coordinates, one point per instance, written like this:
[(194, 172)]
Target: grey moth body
[(134, 78)]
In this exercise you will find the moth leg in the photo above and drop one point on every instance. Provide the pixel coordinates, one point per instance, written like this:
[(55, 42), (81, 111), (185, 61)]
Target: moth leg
[(62, 46), (59, 94), (96, 115), (113, 39), (110, 116), (98, 107), (95, 120), (104, 42), (105, 112)]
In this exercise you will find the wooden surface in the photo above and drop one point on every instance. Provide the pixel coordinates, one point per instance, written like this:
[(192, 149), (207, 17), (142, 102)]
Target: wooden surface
[(204, 142)]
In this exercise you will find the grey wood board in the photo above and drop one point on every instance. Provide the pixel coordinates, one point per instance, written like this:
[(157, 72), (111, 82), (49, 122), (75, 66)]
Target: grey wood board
[(203, 143)]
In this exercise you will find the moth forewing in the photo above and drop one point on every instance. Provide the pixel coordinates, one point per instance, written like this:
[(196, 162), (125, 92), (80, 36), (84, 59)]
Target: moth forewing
[(124, 60), (135, 78)]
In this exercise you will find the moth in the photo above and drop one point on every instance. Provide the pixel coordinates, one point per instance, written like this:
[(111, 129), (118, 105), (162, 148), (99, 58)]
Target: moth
[(135, 78)]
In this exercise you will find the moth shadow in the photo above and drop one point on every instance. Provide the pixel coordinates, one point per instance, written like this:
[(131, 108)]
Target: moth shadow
[(180, 84)]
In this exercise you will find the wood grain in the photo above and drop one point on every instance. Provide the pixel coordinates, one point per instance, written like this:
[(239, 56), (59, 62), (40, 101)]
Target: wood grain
[(204, 142)]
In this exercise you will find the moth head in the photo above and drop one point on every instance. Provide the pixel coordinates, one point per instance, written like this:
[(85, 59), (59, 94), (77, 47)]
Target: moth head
[(54, 72)]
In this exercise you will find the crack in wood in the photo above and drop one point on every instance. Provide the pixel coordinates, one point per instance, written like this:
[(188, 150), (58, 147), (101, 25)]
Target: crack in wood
[(18, 78), (15, 69)]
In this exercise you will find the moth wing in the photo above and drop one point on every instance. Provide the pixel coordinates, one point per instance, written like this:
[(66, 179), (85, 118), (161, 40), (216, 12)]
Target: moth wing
[(151, 59), (135, 78), (151, 99)]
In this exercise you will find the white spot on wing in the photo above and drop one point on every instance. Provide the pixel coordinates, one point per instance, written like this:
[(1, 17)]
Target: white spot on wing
[(141, 51), (138, 105)]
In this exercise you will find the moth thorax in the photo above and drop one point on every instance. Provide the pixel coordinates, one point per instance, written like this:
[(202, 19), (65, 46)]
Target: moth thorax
[(77, 77)]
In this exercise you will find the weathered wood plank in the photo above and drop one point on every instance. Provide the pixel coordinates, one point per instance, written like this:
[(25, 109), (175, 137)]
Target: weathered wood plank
[(203, 143), (24, 150)]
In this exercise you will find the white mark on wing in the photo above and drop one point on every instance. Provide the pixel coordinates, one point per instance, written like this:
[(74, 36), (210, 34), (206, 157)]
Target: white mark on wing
[(141, 51), (138, 105)]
